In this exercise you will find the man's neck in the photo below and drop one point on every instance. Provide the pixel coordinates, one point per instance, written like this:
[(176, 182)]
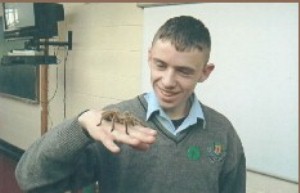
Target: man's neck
[(180, 112)]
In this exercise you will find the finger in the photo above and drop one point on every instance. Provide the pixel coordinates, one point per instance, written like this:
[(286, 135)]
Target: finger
[(146, 130), (111, 146), (123, 137), (109, 142), (143, 134), (142, 147), (104, 136)]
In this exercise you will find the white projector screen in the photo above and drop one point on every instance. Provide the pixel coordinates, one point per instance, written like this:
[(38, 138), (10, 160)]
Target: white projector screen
[(255, 82)]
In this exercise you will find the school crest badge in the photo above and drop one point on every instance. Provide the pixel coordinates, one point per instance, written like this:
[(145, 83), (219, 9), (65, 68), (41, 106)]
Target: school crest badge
[(216, 152)]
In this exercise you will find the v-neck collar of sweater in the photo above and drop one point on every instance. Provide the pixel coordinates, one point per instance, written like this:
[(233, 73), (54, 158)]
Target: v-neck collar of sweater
[(156, 123)]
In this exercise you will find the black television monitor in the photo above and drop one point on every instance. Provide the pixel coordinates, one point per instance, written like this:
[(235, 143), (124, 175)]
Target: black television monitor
[(31, 20), (17, 81)]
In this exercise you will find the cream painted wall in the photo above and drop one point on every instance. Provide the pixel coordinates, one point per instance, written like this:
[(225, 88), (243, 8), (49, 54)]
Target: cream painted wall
[(106, 52), (104, 66)]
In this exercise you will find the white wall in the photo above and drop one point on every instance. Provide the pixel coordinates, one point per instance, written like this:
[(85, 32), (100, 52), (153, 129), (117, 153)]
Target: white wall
[(255, 50)]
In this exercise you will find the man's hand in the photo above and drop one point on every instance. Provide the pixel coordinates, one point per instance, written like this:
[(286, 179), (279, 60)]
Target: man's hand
[(138, 137)]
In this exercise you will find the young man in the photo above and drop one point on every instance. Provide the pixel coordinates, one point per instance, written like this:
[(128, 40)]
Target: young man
[(188, 146)]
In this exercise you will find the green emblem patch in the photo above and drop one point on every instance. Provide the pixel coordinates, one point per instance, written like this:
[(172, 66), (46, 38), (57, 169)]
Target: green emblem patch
[(193, 153)]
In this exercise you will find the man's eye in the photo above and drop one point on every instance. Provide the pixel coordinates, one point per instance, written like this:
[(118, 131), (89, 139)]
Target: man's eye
[(185, 72), (159, 65)]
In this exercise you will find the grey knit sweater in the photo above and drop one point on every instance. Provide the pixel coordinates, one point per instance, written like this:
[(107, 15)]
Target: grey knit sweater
[(206, 158)]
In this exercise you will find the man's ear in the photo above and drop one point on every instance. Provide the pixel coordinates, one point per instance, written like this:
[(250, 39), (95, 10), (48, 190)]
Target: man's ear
[(207, 69)]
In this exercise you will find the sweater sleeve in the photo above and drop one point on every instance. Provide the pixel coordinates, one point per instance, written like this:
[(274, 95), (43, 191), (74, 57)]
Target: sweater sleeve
[(233, 177), (56, 161), (235, 180)]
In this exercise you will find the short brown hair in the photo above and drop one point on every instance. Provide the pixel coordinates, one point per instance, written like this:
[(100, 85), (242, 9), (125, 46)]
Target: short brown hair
[(185, 33)]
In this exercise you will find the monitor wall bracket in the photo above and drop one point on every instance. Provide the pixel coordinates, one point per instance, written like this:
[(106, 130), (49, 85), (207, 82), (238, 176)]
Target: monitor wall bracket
[(35, 44)]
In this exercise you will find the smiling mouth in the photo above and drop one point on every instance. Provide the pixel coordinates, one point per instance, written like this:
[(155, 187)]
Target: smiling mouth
[(167, 93)]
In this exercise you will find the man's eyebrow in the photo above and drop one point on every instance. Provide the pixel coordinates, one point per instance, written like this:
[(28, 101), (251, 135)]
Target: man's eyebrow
[(159, 60), (185, 68)]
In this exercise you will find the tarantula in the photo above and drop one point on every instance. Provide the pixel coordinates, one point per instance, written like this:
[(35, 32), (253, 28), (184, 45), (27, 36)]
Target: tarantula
[(124, 118)]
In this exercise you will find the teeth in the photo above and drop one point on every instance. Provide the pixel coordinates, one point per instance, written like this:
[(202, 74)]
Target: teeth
[(167, 93)]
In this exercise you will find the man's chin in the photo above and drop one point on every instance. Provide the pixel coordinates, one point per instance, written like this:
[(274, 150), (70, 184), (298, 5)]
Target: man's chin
[(166, 100), (166, 104)]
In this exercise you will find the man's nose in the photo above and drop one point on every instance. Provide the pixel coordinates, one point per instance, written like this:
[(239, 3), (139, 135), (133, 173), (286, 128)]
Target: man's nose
[(169, 79)]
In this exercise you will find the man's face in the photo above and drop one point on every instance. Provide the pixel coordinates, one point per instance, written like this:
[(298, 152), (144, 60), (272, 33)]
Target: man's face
[(174, 75)]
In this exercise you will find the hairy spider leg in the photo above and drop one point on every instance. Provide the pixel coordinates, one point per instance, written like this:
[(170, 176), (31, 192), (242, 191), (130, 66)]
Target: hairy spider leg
[(113, 123), (100, 121), (126, 128)]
